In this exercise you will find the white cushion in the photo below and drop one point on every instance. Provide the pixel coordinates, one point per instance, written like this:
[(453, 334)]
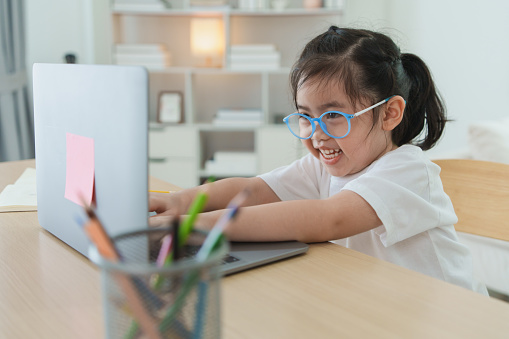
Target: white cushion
[(491, 260), (489, 140)]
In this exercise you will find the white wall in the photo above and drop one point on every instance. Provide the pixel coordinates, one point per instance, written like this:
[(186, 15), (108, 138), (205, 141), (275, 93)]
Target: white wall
[(57, 27), (464, 42), (466, 46)]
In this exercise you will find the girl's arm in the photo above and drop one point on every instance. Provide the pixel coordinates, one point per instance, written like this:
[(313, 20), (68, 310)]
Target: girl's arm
[(342, 215), (220, 193)]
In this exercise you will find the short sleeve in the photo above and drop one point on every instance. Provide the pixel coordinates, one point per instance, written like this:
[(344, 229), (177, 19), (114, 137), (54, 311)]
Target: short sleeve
[(405, 190), (302, 179)]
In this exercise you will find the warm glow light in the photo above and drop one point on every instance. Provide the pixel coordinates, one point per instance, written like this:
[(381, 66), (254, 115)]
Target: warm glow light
[(207, 41)]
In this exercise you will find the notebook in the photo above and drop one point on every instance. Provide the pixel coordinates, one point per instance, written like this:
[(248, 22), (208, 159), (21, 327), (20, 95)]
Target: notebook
[(91, 143)]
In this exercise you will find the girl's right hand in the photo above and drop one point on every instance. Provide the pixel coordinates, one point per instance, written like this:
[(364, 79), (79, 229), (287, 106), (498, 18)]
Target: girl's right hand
[(166, 204)]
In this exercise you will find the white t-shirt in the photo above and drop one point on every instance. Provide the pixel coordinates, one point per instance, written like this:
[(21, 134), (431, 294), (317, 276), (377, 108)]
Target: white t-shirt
[(405, 190)]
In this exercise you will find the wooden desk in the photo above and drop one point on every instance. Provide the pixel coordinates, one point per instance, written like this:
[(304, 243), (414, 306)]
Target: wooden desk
[(48, 290)]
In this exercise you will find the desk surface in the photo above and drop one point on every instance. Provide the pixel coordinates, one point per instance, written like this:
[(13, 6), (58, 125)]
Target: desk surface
[(48, 290)]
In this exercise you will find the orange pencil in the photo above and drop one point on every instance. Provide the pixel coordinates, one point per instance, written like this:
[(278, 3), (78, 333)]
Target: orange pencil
[(105, 246)]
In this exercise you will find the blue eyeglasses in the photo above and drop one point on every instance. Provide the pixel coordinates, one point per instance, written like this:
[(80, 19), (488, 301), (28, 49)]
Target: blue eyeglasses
[(335, 124)]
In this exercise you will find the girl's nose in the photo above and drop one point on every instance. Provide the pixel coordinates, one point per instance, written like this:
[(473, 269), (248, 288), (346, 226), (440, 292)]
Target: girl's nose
[(319, 133)]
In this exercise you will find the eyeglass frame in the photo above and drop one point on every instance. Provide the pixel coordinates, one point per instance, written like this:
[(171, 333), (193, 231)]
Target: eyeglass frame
[(322, 124)]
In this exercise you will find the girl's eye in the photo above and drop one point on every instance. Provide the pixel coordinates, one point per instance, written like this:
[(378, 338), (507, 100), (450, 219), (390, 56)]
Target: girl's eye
[(332, 115)]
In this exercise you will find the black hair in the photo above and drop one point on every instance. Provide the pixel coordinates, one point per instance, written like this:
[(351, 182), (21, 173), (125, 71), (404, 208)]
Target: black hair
[(371, 66)]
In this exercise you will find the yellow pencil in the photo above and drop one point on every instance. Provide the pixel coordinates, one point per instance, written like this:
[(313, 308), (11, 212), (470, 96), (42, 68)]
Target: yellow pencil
[(153, 191)]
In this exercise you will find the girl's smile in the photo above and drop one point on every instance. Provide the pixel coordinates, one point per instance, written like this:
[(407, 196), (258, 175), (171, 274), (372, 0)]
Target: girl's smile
[(330, 156)]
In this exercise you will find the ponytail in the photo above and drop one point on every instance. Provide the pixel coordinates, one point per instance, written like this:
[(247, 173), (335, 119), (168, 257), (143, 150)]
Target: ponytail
[(424, 108)]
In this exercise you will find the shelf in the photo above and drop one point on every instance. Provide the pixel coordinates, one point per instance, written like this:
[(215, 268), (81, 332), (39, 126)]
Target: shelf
[(218, 11), (204, 70), (157, 126), (205, 174), (227, 128), (184, 153), (286, 12)]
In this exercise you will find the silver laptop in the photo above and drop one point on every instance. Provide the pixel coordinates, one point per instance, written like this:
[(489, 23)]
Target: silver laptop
[(101, 113)]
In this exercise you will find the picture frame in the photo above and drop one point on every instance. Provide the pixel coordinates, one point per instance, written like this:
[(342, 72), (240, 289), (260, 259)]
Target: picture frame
[(170, 108)]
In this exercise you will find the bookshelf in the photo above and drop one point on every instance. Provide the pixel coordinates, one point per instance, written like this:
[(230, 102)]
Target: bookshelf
[(184, 153)]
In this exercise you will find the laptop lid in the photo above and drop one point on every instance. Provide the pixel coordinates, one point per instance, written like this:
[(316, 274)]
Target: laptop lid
[(91, 128)]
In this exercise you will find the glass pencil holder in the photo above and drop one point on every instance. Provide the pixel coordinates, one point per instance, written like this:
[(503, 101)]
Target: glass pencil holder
[(144, 299)]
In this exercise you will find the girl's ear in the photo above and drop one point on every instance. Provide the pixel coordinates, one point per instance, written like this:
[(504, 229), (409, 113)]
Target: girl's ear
[(393, 114)]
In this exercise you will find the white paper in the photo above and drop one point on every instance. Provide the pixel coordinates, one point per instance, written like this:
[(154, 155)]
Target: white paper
[(22, 195)]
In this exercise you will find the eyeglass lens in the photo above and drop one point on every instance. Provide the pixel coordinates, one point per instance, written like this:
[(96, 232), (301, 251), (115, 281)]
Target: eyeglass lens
[(335, 123)]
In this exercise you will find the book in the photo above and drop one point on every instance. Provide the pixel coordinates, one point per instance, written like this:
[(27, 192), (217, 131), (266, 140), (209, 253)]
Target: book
[(264, 66), (162, 59), (208, 3), (252, 48), (154, 67), (252, 4), (239, 114), (138, 7), (140, 48), (228, 157), (232, 163), (20, 196), (234, 123), (273, 57), (238, 117)]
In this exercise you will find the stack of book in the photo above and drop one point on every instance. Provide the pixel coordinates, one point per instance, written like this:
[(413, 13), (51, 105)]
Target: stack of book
[(209, 3), (254, 57), (152, 56), (231, 163), (252, 4), (238, 117), (138, 5)]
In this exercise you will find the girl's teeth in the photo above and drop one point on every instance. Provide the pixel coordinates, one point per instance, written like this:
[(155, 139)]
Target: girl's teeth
[(331, 153)]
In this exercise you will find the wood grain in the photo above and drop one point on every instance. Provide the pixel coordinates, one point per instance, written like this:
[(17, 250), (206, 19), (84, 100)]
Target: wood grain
[(479, 191)]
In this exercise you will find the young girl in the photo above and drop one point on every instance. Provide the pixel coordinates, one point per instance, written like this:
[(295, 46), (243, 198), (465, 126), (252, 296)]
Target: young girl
[(362, 107)]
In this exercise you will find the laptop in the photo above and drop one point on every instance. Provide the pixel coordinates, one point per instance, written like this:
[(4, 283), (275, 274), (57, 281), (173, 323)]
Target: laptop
[(91, 145)]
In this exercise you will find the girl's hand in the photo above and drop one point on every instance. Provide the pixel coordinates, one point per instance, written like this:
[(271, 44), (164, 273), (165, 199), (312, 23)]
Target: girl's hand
[(166, 204)]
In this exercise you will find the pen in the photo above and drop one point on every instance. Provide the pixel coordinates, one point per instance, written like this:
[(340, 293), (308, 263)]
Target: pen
[(175, 230), (217, 231), (204, 252), (100, 238), (164, 252), (187, 225), (167, 254)]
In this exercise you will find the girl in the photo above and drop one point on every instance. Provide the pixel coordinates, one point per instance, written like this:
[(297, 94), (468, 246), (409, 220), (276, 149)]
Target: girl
[(362, 107)]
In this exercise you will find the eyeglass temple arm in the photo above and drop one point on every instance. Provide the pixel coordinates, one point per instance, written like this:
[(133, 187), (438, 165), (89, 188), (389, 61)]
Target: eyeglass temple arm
[(371, 107)]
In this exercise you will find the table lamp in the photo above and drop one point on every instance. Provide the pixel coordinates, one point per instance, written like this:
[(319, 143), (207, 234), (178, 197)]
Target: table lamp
[(207, 42)]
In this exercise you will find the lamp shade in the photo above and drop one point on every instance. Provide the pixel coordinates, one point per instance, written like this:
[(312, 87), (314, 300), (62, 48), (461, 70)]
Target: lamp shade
[(207, 41)]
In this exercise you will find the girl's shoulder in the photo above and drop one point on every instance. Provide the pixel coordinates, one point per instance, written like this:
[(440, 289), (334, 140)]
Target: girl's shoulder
[(408, 161), (409, 154), (404, 172)]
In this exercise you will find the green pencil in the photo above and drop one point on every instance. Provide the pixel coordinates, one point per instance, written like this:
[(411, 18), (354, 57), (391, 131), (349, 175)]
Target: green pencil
[(187, 225)]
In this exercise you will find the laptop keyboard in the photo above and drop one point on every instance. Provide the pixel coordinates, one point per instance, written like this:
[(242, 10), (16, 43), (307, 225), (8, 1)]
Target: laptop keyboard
[(193, 250)]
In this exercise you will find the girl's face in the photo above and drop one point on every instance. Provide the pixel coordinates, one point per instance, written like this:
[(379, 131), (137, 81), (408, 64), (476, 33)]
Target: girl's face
[(351, 154)]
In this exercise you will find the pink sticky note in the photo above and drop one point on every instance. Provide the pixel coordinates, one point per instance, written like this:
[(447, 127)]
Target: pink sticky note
[(79, 178)]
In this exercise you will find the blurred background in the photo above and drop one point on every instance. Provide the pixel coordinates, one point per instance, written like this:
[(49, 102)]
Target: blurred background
[(464, 42)]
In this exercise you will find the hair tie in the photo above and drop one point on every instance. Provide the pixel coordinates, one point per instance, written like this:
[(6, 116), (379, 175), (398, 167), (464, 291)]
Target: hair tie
[(395, 61)]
